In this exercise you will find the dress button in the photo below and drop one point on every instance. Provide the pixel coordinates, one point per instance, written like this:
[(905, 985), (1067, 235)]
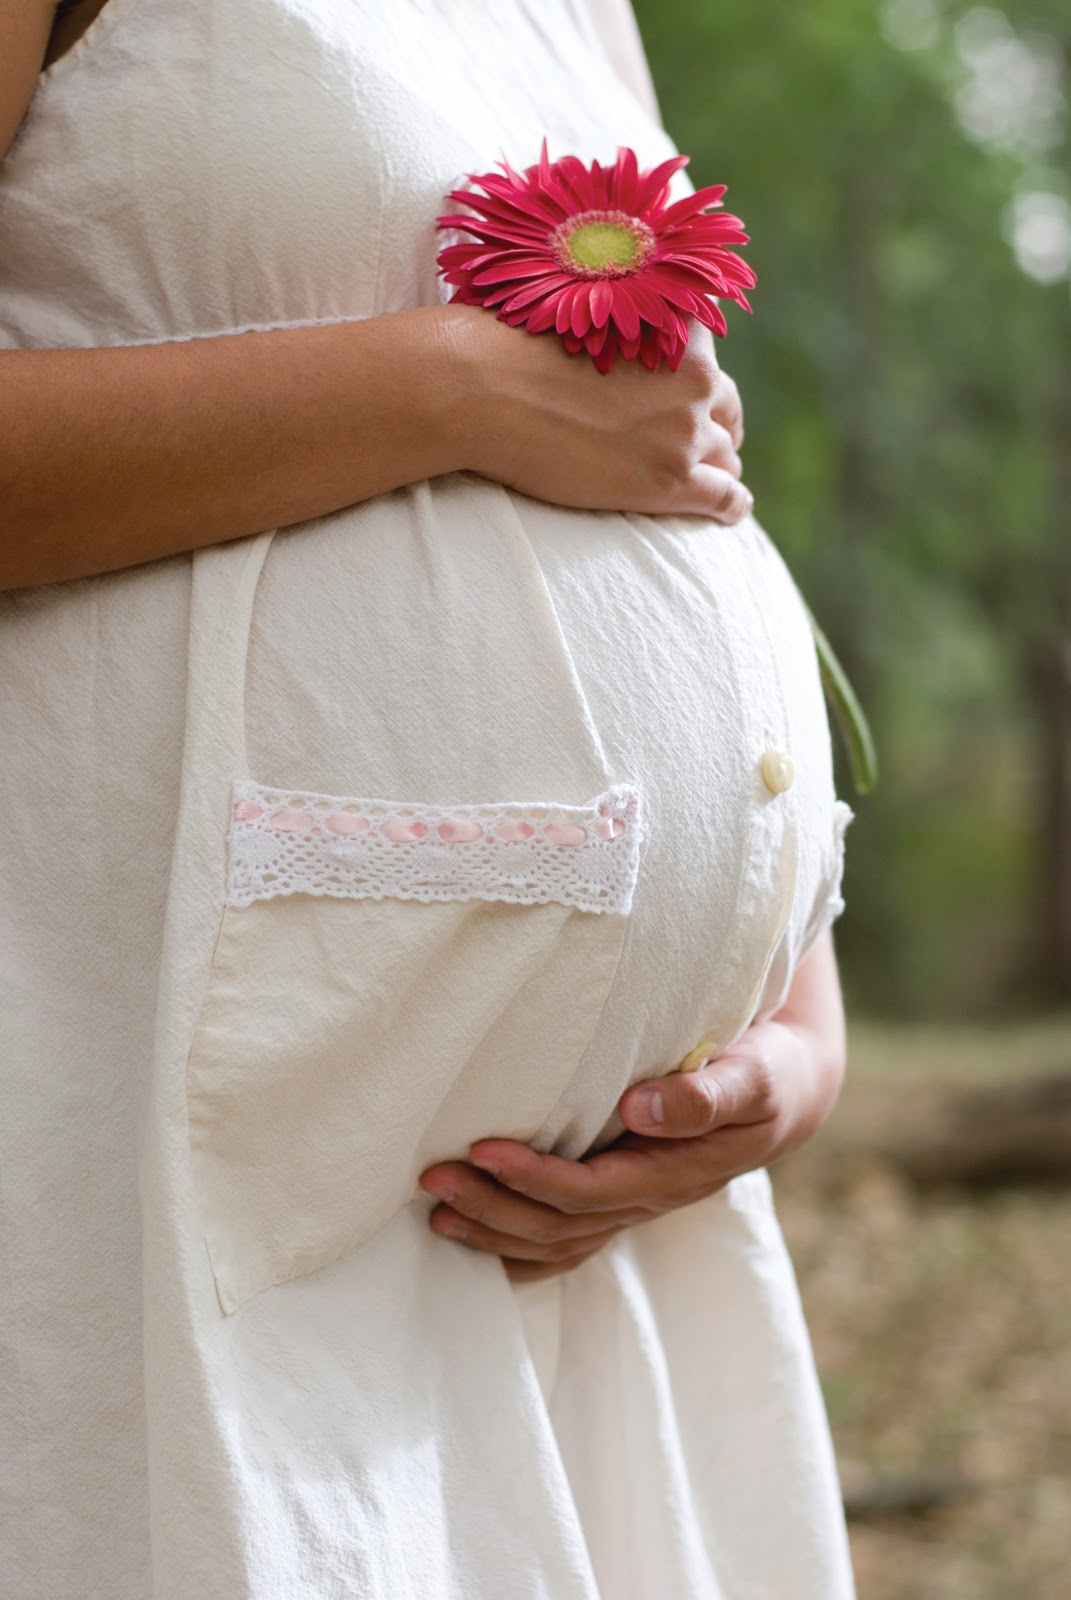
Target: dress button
[(777, 770)]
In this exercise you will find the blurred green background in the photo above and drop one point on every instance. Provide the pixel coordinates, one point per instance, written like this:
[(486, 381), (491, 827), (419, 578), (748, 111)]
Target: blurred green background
[(903, 168), (903, 171)]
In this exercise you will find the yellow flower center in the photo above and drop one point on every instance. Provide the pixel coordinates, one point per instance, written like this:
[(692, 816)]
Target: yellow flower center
[(603, 244)]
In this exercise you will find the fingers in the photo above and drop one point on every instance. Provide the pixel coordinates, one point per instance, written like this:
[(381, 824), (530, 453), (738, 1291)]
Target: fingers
[(728, 410), (731, 1091), (720, 451), (533, 1271), (484, 1215), (546, 1212), (478, 1208), (712, 492), (634, 1177), (476, 1236)]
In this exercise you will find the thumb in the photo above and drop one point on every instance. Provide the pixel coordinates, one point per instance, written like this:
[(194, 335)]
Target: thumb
[(686, 1105)]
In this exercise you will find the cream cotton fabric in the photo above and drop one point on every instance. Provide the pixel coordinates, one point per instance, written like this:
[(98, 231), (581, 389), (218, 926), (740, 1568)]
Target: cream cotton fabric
[(235, 1361)]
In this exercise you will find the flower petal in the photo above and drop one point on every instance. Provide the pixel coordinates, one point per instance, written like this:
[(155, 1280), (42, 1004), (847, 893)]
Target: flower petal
[(526, 267), (691, 205), (457, 255), (531, 292), (580, 318), (626, 314), (606, 356), (510, 204), (602, 302), (626, 175), (719, 228), (649, 303), (563, 317), (652, 183), (545, 315), (651, 355), (520, 228), (502, 198)]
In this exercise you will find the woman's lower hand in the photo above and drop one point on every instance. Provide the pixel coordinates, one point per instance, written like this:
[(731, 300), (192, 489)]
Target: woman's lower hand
[(689, 1134), (531, 416)]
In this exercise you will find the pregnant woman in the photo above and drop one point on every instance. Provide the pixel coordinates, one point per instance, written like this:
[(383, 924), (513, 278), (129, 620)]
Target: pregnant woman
[(412, 753)]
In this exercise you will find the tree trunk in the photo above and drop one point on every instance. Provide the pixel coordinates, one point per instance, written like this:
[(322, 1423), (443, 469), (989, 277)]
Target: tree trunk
[(1012, 1135)]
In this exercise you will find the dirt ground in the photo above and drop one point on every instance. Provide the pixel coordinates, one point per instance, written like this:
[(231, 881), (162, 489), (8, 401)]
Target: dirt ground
[(942, 1329)]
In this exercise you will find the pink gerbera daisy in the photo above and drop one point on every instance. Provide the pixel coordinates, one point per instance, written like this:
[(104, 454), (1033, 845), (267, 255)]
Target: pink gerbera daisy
[(599, 255)]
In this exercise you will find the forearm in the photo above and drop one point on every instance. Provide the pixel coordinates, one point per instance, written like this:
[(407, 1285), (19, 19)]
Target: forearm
[(112, 457), (814, 1011)]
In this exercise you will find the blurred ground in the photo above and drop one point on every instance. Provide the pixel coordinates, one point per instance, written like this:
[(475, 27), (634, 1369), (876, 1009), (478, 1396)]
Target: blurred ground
[(942, 1327)]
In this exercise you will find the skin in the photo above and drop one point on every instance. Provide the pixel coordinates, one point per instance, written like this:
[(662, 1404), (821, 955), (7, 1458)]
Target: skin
[(690, 1133), (114, 457)]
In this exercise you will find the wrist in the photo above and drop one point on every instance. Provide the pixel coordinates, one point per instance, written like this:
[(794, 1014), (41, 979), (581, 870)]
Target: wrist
[(447, 381), (478, 362), (418, 404)]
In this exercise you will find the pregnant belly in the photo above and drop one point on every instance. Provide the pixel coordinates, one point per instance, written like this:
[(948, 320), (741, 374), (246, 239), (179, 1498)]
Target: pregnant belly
[(453, 645)]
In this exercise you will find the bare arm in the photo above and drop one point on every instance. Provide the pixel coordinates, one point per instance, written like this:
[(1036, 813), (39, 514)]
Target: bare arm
[(25, 26), (110, 457), (114, 456)]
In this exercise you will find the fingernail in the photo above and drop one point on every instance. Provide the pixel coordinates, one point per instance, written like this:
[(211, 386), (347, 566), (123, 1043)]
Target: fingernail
[(649, 1108), (441, 1191), (484, 1165), (453, 1227)]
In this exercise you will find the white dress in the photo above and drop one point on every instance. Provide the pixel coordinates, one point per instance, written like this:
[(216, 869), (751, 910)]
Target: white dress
[(499, 846)]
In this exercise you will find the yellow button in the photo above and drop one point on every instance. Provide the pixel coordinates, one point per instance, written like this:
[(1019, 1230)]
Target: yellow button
[(778, 772), (705, 1051)]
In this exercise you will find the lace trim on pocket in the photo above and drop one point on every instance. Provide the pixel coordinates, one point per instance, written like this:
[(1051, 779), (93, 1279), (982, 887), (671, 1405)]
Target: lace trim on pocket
[(286, 841)]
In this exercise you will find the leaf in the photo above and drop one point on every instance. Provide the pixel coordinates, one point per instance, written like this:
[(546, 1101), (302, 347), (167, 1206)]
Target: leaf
[(849, 714)]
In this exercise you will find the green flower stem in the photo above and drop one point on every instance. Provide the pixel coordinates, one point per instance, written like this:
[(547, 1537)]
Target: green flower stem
[(849, 714)]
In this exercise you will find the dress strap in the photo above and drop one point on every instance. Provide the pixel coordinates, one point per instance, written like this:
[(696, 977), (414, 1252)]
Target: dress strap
[(222, 594)]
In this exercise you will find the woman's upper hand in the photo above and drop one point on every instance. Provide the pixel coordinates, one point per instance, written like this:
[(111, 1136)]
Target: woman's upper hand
[(547, 423), (689, 1134)]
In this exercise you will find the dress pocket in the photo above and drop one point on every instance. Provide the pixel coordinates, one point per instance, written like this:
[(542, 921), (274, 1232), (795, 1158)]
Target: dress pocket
[(390, 982)]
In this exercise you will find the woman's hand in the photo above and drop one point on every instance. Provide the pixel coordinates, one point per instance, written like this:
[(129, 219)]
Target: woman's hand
[(547, 423), (690, 1133)]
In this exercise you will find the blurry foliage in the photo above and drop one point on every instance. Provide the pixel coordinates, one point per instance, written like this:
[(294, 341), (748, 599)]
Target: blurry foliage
[(941, 1322), (908, 396)]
